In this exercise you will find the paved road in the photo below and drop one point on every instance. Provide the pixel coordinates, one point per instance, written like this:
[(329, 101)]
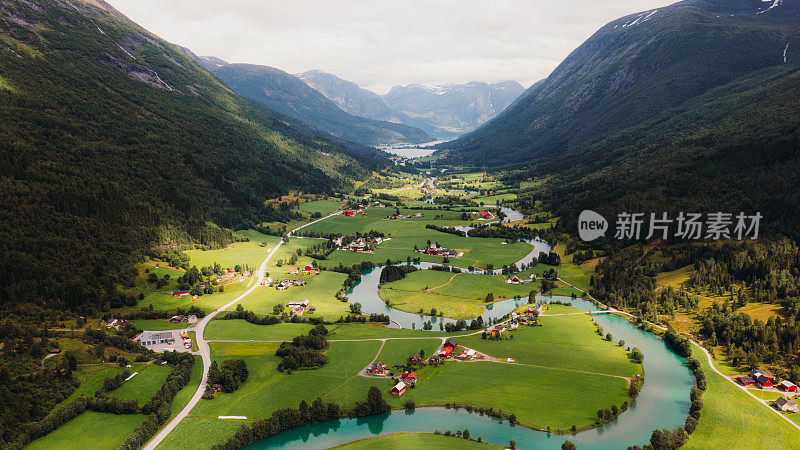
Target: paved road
[(203, 349)]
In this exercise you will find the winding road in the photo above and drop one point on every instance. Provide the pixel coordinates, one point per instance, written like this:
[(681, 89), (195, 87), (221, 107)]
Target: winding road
[(203, 348)]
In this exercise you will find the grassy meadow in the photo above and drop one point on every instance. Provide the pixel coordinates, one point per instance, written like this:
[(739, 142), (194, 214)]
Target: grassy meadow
[(85, 432)]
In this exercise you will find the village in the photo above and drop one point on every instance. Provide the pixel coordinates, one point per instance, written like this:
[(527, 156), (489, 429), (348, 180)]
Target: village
[(451, 351), (767, 382)]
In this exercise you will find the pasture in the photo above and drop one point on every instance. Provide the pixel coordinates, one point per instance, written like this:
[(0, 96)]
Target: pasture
[(84, 432)]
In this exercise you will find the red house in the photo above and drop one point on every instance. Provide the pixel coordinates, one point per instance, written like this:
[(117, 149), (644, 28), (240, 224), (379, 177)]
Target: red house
[(485, 214), (746, 381), (764, 381), (787, 386), (409, 376), (349, 213)]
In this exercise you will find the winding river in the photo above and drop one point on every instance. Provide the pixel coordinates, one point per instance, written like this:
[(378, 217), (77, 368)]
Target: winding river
[(662, 403)]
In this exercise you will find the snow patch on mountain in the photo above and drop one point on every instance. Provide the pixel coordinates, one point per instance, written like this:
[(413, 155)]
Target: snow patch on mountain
[(641, 18), (775, 4)]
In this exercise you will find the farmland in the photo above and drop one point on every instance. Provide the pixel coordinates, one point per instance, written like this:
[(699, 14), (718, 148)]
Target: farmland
[(406, 233), (83, 432)]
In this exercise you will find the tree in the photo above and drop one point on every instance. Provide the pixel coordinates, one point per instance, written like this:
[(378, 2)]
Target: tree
[(512, 444), (489, 297), (568, 445)]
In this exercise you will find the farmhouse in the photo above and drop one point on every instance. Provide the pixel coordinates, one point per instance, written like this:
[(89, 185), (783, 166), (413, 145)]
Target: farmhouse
[(299, 282), (786, 405), (378, 368), (180, 293), (414, 359), (746, 381), (485, 214), (178, 318), (409, 377), (399, 389), (294, 303), (787, 386)]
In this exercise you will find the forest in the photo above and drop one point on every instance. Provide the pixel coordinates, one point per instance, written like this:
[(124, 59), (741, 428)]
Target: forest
[(96, 166)]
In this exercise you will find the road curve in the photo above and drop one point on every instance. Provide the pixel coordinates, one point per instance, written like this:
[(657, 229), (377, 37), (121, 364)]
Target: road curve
[(202, 344)]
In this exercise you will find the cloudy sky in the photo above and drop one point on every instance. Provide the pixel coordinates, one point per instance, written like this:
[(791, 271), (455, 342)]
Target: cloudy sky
[(382, 43)]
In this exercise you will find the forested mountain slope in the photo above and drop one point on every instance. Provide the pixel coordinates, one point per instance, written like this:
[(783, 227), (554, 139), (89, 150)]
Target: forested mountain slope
[(112, 140), (290, 95), (691, 107), (634, 69)]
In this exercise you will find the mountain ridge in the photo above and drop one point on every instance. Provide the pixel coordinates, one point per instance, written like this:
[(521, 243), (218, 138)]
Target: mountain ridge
[(113, 140), (289, 95)]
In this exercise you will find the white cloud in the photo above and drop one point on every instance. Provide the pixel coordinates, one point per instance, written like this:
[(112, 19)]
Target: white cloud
[(381, 43)]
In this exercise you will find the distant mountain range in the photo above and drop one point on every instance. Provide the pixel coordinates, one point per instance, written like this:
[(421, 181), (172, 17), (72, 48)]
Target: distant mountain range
[(443, 111), (692, 104), (453, 109), (289, 95)]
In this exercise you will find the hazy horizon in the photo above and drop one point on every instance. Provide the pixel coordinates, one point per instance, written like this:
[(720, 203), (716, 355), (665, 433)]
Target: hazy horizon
[(378, 45)]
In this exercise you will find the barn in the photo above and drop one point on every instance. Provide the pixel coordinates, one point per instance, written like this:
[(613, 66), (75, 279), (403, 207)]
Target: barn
[(399, 389)]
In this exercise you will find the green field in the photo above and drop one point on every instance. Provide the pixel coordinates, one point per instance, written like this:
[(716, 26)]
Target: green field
[(214, 431), (396, 352), (159, 325), (320, 290), (409, 232), (240, 330), (416, 440), (323, 207), (144, 384), (91, 430), (267, 389), (563, 342), (91, 378), (732, 419), (458, 296), (376, 331), (535, 395), (209, 302), (242, 253)]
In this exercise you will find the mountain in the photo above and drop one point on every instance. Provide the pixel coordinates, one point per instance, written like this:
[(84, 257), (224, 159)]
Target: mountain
[(689, 107), (113, 141), (359, 101), (453, 109), (289, 95), (208, 62), (634, 69)]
